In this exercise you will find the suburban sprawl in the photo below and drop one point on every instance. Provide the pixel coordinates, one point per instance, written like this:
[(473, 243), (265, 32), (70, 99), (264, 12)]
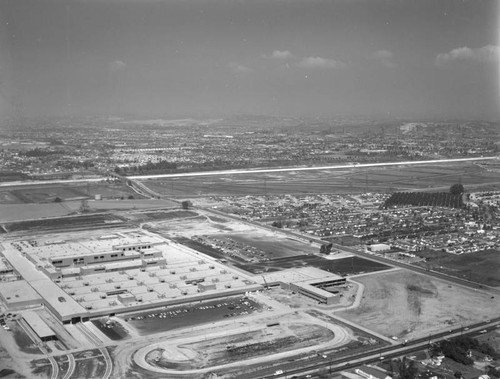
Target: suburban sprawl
[(249, 247)]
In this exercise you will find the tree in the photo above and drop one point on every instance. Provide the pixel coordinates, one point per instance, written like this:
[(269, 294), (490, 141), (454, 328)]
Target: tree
[(185, 204), (458, 374), (457, 189), (407, 369)]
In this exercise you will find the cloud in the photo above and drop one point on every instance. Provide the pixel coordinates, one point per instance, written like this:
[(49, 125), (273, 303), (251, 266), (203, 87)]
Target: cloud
[(117, 66), (384, 57), (488, 53), (318, 62), (239, 69), (281, 54)]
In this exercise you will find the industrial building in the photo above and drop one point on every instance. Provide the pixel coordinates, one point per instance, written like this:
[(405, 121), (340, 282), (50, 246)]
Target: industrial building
[(124, 272), (309, 281)]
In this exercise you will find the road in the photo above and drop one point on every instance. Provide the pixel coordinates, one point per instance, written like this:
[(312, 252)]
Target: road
[(71, 366), (334, 365), (314, 168), (372, 257), (109, 363), (415, 268)]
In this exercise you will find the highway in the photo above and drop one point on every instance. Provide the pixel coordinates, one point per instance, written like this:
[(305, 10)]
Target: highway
[(317, 363), (301, 168)]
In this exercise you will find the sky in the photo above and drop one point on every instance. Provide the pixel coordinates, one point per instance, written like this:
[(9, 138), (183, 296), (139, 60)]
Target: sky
[(425, 59)]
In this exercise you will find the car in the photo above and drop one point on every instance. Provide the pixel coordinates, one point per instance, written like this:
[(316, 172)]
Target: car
[(278, 372), (483, 331)]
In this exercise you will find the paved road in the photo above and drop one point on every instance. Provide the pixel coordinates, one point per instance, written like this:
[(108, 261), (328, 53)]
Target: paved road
[(109, 363), (290, 169), (71, 366), (334, 365)]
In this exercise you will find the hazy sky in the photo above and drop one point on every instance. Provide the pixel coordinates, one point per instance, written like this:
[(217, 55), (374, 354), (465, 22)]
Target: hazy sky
[(404, 58)]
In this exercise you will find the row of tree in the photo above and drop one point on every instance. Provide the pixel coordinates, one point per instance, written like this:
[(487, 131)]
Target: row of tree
[(431, 199)]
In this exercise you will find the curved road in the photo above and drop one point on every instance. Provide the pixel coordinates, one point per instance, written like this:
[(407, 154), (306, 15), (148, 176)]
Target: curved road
[(71, 366)]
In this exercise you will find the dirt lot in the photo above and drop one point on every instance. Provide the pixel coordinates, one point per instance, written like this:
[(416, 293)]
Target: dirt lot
[(14, 212), (46, 193), (404, 304), (481, 267)]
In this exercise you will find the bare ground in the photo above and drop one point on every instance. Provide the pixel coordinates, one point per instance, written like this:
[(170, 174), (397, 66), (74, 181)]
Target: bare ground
[(405, 304)]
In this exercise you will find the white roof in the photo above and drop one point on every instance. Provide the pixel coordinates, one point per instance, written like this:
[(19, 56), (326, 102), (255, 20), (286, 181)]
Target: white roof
[(37, 324)]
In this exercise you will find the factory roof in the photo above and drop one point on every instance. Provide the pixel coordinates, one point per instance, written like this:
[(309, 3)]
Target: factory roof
[(18, 291)]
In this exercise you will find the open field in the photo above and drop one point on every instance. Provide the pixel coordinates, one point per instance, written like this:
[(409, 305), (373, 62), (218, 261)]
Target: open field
[(65, 223), (408, 305), (46, 193), (272, 247), (436, 177), (480, 267), (17, 212)]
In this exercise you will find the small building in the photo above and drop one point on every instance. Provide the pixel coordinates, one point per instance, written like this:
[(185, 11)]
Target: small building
[(39, 327), (379, 247)]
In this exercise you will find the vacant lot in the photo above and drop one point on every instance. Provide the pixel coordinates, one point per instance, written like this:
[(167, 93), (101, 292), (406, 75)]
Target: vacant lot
[(65, 223), (47, 193), (273, 247), (481, 267), (409, 305)]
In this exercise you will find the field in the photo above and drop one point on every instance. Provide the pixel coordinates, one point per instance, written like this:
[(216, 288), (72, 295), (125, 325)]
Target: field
[(480, 267), (31, 211), (352, 180), (65, 223), (272, 247), (408, 305), (47, 193)]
